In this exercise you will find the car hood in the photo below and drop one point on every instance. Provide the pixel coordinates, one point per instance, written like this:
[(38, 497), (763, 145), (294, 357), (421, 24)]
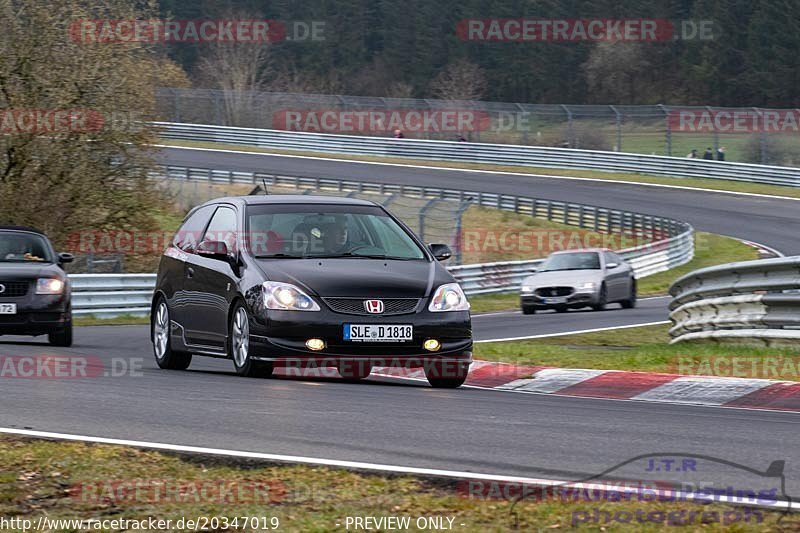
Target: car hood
[(10, 271), (566, 278), (357, 277)]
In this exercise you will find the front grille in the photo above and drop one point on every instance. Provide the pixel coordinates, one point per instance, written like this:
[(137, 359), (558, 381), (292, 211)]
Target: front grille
[(355, 306), (13, 289), (549, 292)]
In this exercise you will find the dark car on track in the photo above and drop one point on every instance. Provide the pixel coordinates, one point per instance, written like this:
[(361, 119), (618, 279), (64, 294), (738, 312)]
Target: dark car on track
[(34, 289), (592, 277), (306, 281)]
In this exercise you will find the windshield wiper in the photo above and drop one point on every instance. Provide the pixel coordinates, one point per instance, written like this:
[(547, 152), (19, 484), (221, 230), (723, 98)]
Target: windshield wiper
[(278, 256), (359, 256)]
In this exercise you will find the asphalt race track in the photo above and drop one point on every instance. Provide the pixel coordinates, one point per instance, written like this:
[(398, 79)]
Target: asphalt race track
[(407, 423), (380, 421)]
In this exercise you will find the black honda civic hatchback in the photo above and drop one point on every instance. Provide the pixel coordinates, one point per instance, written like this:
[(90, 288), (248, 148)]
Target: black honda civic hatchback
[(308, 282)]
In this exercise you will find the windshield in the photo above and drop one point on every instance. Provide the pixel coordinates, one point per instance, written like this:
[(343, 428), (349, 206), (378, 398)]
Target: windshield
[(327, 231), (576, 261), (21, 247)]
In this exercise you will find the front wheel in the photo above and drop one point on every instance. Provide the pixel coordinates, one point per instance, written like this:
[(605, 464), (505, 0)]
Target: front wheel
[(602, 300), (444, 375), (61, 337), (630, 303), (166, 357), (239, 346), (528, 310)]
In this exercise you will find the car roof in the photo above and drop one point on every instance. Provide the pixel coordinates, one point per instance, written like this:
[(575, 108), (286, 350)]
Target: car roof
[(290, 199), (22, 228)]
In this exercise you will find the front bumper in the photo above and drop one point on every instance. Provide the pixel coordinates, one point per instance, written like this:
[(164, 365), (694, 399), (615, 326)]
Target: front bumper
[(280, 338), (575, 300), (36, 314)]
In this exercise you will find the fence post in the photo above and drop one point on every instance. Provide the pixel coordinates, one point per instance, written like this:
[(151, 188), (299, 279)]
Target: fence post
[(570, 135), (668, 132), (422, 213), (618, 148)]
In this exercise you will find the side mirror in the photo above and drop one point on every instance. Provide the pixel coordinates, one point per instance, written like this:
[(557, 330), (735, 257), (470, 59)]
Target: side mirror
[(441, 252), (612, 265), (214, 250), (65, 257)]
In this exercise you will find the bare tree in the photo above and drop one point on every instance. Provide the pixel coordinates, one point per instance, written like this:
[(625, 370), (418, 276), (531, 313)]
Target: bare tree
[(460, 80), (618, 71), (89, 172), (240, 70)]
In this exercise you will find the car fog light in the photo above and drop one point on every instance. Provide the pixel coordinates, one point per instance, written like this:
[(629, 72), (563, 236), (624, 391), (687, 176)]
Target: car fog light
[(315, 344), (432, 345)]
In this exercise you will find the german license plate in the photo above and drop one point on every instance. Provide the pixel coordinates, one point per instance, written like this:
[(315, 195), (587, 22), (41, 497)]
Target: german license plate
[(378, 332), (8, 309), (558, 300)]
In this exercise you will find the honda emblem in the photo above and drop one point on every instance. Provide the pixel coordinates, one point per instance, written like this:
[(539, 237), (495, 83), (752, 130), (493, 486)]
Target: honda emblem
[(373, 306)]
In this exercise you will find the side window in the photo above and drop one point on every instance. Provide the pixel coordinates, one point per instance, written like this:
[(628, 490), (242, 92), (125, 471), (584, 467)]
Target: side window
[(222, 227), (610, 258), (188, 236)]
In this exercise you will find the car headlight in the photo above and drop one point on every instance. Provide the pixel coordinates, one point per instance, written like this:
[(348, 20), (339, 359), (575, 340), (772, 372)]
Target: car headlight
[(449, 297), (588, 286), (527, 288), (49, 286), (287, 297)]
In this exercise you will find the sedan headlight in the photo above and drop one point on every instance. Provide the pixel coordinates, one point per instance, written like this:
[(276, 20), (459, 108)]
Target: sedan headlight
[(49, 286), (449, 297), (527, 288), (588, 286), (287, 297)]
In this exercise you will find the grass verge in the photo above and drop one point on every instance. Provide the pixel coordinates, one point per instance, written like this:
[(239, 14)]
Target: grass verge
[(699, 183), (710, 250), (66, 480), (122, 320), (646, 349)]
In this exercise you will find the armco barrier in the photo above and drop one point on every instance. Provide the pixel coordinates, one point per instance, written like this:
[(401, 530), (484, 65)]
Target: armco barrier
[(499, 154), (108, 295), (754, 301)]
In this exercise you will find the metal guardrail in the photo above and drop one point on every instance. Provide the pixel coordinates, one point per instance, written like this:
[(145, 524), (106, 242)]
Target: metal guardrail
[(750, 301), (109, 295), (500, 154)]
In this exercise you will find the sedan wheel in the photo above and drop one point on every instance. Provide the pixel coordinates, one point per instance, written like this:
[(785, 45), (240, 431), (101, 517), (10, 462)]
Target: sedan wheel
[(166, 357), (602, 300), (239, 346), (630, 303)]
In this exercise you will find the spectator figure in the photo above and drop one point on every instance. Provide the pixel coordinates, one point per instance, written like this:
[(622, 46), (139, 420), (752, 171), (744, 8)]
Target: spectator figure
[(461, 139), (692, 154), (708, 154), (398, 134), (721, 153)]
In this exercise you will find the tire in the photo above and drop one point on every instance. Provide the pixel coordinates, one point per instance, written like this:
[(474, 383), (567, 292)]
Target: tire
[(166, 357), (527, 310), (561, 309), (61, 337), (630, 303), (602, 300), (238, 346), (354, 370), (442, 376)]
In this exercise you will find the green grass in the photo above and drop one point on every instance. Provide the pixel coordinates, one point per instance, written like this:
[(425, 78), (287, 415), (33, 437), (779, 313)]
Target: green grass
[(122, 320), (645, 349), (710, 250), (713, 184), (45, 477)]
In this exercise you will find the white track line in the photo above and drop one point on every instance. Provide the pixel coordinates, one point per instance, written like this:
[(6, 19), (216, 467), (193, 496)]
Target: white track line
[(595, 330), (495, 172), (374, 467)]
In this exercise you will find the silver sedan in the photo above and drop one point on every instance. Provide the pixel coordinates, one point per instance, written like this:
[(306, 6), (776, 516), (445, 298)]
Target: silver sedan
[(579, 278)]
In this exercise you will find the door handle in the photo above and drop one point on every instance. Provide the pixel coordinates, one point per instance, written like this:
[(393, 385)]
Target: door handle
[(189, 272)]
